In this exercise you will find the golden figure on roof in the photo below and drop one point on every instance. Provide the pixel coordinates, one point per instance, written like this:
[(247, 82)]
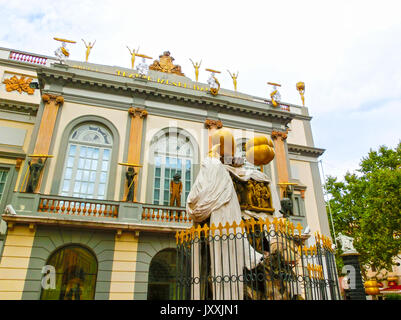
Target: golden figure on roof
[(88, 49), (234, 77), (62, 52), (213, 82), (165, 64), (196, 67), (275, 95), (301, 90), (133, 55)]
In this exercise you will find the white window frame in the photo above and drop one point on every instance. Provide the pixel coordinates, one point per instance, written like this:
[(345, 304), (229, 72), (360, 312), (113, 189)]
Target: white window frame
[(75, 167)]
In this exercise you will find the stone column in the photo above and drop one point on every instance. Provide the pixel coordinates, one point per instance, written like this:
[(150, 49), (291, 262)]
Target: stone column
[(135, 142), (356, 292), (279, 138), (52, 105), (212, 126)]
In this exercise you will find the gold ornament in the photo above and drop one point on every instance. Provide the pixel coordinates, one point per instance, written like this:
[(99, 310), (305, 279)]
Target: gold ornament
[(21, 84)]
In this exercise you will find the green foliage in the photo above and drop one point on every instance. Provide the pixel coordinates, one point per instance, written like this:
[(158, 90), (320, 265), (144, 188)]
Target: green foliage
[(366, 205), (392, 296)]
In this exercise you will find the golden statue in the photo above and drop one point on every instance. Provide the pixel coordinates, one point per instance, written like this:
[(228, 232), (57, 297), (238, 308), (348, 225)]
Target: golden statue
[(88, 49), (213, 82), (196, 66), (301, 89), (275, 95), (234, 77), (133, 55)]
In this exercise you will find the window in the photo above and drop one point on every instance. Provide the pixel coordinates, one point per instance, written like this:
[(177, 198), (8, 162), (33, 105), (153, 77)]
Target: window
[(298, 208), (162, 276), (173, 153), (76, 272), (87, 163), (240, 151), (3, 179)]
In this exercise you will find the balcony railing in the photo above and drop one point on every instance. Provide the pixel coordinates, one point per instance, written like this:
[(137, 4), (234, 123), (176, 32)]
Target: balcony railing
[(93, 208), (78, 210), (164, 214), (24, 57)]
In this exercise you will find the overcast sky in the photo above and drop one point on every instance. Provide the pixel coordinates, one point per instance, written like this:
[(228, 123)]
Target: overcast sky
[(348, 53)]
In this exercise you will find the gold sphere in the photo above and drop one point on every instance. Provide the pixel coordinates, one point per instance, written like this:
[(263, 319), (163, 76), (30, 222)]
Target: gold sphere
[(300, 86)]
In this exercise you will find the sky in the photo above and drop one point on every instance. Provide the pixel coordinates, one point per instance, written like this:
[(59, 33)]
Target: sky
[(348, 53)]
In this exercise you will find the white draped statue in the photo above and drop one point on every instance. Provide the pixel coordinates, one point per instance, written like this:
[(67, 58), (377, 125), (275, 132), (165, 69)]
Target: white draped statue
[(213, 195)]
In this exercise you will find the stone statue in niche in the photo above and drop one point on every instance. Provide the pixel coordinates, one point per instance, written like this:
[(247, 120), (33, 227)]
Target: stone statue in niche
[(175, 191), (35, 170), (130, 176)]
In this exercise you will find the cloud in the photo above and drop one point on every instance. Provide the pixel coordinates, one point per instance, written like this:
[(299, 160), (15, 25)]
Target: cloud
[(346, 52)]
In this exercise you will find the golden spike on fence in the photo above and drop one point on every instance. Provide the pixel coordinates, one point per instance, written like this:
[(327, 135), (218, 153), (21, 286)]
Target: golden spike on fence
[(318, 236), (242, 225), (182, 233), (235, 226), (281, 225), (177, 237), (268, 223), (299, 228), (227, 227), (305, 250), (314, 248), (292, 228), (199, 230), (220, 228), (321, 272), (187, 235), (192, 232), (275, 223), (205, 229), (309, 267), (252, 222), (261, 224), (213, 229)]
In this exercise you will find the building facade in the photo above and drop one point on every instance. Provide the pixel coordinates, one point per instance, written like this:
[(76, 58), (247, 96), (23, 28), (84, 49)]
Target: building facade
[(68, 133)]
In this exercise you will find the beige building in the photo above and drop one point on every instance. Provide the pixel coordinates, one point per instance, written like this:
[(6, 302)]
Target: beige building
[(88, 123)]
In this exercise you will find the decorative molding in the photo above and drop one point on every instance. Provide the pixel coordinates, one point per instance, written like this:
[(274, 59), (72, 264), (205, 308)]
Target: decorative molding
[(137, 112), (47, 97), (20, 85), (213, 124), (305, 150), (279, 134), (165, 64)]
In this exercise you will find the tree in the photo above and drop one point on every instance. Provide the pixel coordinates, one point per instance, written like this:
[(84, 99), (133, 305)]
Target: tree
[(366, 205)]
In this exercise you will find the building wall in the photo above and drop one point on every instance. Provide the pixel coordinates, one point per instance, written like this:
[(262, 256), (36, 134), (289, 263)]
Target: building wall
[(124, 267), (49, 239), (14, 262), (149, 244)]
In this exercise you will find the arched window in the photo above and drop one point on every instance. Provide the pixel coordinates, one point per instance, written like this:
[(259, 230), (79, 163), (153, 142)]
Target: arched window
[(76, 272), (87, 162), (173, 152), (241, 152), (162, 276)]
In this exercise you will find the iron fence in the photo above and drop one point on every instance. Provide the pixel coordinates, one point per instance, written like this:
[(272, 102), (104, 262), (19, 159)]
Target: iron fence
[(254, 260)]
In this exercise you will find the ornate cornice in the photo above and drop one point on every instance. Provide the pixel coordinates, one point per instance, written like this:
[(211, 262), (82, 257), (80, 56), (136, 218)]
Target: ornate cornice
[(47, 97), (137, 112), (113, 84), (213, 124), (305, 150)]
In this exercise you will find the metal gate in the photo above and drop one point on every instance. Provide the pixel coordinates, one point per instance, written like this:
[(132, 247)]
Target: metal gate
[(254, 260)]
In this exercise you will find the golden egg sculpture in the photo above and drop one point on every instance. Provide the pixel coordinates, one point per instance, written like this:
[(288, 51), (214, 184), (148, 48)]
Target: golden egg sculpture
[(372, 287), (225, 139), (259, 150)]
